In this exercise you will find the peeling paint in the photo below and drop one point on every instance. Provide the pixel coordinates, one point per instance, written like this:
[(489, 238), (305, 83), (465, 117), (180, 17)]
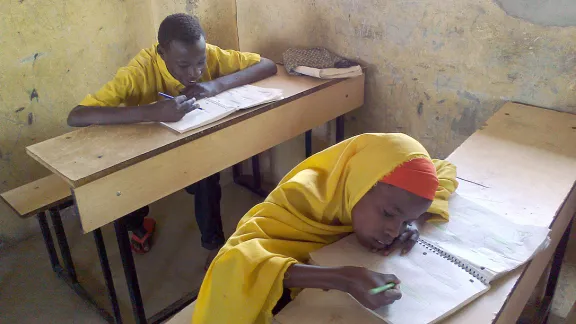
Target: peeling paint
[(34, 95), (32, 58), (547, 13)]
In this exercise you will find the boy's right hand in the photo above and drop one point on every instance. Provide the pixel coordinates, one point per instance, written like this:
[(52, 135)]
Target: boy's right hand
[(172, 110), (361, 280)]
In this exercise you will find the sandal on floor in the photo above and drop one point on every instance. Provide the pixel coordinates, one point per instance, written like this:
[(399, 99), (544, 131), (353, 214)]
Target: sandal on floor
[(143, 244)]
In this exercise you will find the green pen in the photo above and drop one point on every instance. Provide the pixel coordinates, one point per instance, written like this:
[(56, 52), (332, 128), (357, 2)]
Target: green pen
[(380, 289)]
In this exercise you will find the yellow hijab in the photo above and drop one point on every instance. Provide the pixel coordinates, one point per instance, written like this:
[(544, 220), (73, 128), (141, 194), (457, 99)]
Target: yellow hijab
[(310, 208)]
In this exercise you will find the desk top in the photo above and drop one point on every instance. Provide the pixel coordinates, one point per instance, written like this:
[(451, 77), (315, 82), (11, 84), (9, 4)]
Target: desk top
[(90, 153), (522, 165)]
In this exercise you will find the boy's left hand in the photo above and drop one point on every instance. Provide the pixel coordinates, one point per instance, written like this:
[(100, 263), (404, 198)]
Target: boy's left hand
[(405, 241), (201, 90)]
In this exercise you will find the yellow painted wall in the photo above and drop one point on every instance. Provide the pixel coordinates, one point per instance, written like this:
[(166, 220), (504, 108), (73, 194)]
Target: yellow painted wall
[(54, 52), (436, 69)]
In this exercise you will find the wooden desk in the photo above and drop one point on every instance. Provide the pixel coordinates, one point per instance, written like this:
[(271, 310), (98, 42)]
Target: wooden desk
[(522, 165), (114, 170)]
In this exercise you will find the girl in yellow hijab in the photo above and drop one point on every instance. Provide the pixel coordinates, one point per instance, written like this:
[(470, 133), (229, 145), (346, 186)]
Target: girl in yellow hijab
[(372, 184)]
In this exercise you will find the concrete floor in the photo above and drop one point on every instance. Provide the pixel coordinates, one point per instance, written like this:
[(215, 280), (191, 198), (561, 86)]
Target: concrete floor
[(31, 293)]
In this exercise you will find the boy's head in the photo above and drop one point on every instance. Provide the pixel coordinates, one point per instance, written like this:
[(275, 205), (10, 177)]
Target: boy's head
[(399, 198), (182, 46)]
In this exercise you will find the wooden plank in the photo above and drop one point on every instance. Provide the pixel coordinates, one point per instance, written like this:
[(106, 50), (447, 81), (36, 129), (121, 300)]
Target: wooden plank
[(37, 196), (108, 198), (93, 152), (525, 161), (522, 165)]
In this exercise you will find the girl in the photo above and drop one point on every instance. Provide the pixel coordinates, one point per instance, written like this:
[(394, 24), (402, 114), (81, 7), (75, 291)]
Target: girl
[(374, 185)]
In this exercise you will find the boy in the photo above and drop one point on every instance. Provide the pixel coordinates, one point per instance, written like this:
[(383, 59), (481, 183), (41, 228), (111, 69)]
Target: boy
[(185, 66)]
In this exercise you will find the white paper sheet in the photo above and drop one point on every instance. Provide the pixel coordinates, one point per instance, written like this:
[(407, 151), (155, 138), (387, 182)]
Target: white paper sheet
[(484, 239), (224, 104), (432, 286)]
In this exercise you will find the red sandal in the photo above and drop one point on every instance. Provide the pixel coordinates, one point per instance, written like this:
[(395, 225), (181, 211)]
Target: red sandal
[(142, 245)]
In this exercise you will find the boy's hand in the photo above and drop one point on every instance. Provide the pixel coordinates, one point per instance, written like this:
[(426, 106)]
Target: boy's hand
[(406, 241), (201, 90), (172, 110), (361, 280)]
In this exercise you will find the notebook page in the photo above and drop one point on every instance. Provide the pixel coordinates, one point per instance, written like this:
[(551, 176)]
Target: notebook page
[(484, 239), (246, 97), (209, 113), (432, 287)]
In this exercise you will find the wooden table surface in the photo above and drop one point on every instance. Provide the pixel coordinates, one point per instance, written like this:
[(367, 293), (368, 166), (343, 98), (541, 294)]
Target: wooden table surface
[(522, 165), (90, 153), (114, 170)]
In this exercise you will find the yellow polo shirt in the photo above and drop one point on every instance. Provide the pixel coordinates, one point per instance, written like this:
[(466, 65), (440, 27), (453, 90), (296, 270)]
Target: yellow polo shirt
[(139, 82)]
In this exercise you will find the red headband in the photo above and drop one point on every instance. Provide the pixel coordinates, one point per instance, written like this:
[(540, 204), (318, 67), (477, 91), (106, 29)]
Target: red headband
[(417, 176)]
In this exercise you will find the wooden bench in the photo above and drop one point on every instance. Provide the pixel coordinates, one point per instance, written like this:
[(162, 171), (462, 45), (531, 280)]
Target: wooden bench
[(38, 196), (53, 194)]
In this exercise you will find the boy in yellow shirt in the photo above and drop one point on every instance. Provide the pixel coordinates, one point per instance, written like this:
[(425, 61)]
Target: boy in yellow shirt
[(183, 65)]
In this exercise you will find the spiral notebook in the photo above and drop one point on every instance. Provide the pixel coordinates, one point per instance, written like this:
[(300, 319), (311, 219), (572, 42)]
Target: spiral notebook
[(224, 104), (451, 265)]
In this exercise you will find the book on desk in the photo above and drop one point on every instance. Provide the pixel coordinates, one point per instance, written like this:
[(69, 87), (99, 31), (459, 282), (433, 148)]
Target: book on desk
[(452, 264), (215, 108)]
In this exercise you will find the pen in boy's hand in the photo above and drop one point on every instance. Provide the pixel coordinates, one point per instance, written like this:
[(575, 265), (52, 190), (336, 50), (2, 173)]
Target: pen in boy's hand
[(377, 290), (167, 96)]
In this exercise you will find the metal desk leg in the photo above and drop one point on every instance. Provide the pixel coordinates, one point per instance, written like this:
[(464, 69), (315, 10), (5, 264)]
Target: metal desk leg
[(103, 256), (63, 244), (546, 304), (308, 143), (130, 271), (339, 129), (69, 273), (49, 242), (253, 182)]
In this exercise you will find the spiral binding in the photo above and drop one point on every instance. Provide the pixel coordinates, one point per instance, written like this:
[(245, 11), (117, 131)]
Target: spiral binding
[(454, 260)]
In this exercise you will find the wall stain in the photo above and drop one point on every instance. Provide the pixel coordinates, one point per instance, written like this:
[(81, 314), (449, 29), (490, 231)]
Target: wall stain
[(30, 118), (466, 124), (441, 101), (32, 58), (469, 96), (427, 96), (34, 95), (420, 108), (19, 109)]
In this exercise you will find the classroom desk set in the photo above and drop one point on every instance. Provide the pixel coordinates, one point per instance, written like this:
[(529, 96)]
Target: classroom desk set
[(521, 164), (114, 170)]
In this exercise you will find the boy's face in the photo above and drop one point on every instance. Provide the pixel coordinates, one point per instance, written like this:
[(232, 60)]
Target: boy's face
[(186, 62), (383, 214)]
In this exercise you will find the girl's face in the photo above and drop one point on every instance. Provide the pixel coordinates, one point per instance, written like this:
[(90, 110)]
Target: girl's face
[(383, 214)]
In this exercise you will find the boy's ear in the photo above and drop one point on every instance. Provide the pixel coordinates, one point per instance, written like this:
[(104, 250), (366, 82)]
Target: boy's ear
[(161, 51)]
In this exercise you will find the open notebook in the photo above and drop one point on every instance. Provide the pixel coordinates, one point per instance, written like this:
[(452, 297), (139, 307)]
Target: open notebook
[(224, 104), (452, 264)]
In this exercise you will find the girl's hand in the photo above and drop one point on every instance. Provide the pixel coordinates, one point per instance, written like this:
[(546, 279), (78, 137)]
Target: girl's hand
[(359, 282), (406, 241)]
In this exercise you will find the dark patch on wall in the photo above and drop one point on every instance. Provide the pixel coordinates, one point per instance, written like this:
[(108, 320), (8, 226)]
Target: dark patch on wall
[(19, 109), (427, 96), (441, 101), (368, 32), (1, 155), (466, 124), (420, 108), (30, 118), (469, 96), (547, 13), (191, 6), (34, 95)]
